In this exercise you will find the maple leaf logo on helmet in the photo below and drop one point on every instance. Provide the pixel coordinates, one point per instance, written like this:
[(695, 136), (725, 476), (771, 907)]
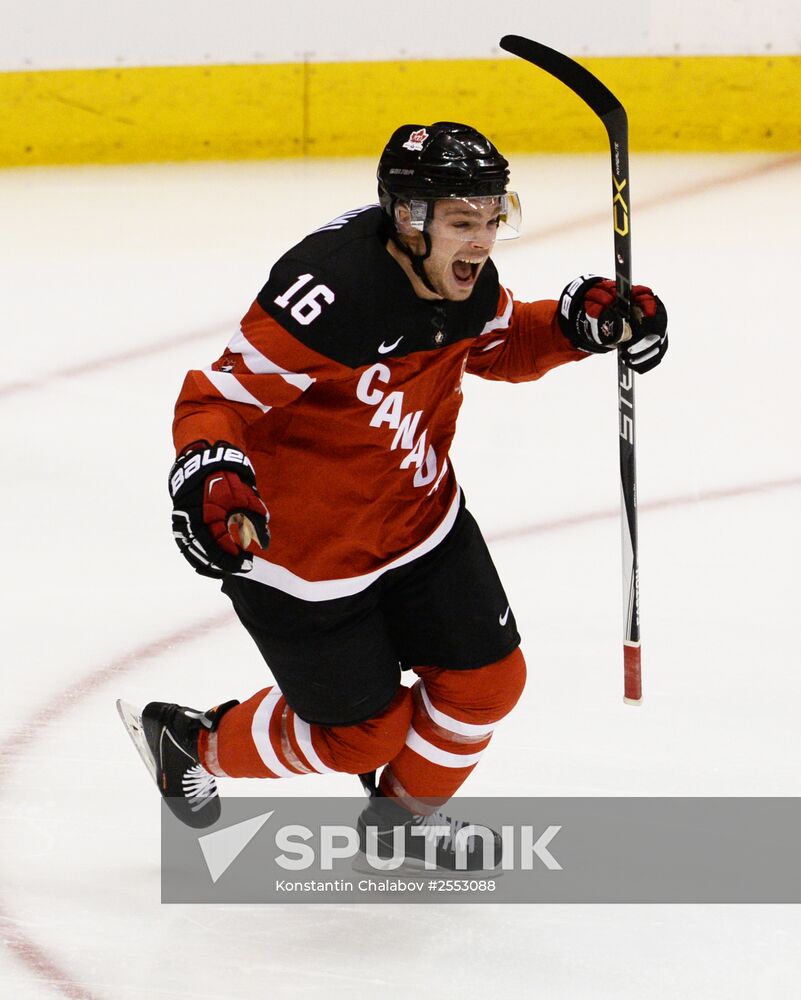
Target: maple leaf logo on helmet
[(416, 140)]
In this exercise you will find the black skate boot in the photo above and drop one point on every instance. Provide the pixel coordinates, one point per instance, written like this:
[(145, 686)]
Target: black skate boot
[(435, 837), (166, 737)]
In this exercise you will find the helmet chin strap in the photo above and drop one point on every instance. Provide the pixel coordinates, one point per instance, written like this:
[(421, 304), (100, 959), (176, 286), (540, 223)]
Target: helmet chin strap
[(417, 260)]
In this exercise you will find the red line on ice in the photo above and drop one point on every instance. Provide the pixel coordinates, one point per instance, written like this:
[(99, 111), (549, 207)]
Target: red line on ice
[(32, 955), (683, 500), (92, 365), (667, 198)]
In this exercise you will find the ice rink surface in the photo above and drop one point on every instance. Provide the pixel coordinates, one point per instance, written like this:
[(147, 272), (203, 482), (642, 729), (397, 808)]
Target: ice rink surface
[(114, 282)]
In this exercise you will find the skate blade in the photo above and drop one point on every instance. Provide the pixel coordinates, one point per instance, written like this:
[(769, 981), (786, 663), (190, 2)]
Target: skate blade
[(132, 720)]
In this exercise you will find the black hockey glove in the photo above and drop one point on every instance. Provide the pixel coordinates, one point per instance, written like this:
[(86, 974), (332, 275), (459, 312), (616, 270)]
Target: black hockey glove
[(218, 512), (589, 318)]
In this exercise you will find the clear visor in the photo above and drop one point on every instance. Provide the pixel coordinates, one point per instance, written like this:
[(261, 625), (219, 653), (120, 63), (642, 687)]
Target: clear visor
[(469, 216)]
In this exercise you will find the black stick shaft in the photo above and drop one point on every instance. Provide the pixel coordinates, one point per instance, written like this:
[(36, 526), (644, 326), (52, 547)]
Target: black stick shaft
[(611, 112), (617, 129)]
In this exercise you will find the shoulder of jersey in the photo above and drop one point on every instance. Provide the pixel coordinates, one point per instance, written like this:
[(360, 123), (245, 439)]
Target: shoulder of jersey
[(351, 230), (341, 294), (318, 289)]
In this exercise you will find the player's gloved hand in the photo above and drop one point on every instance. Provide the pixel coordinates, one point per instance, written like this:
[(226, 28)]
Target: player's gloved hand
[(217, 511), (591, 321)]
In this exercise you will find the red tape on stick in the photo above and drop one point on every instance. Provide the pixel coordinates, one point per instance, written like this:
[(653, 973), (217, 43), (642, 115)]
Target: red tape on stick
[(632, 675)]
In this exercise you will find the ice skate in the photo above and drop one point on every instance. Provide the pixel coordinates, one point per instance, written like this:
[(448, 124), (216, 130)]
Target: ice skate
[(166, 738), (453, 852)]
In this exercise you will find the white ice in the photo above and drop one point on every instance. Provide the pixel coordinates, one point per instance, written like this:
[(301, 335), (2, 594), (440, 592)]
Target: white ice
[(114, 282)]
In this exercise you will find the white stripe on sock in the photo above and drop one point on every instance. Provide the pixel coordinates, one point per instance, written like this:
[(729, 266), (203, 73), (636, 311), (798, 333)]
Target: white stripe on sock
[(437, 756), (454, 725), (303, 736), (260, 731)]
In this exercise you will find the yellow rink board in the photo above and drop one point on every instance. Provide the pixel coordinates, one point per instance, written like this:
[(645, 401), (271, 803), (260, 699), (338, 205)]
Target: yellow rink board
[(715, 103)]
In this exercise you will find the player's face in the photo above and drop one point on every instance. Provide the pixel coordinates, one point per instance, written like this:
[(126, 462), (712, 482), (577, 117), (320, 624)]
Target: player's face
[(462, 236)]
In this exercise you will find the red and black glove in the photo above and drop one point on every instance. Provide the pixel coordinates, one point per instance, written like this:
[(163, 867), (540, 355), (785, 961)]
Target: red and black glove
[(591, 321), (217, 510)]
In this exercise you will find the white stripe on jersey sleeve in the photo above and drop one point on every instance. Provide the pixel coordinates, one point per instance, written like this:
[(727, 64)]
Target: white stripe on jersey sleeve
[(503, 321), (494, 343), (259, 364), (229, 387)]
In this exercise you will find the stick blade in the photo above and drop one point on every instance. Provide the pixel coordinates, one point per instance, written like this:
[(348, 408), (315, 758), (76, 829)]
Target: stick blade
[(588, 87)]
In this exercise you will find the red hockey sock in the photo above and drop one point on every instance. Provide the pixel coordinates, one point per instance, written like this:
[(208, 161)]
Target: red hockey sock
[(264, 738), (455, 713)]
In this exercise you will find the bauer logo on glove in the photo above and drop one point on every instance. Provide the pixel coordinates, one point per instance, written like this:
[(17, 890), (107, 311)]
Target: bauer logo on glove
[(218, 515), (195, 461)]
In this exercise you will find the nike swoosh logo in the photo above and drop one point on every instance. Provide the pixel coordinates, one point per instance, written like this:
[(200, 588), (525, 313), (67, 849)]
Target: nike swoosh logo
[(504, 618), (219, 479), (384, 349)]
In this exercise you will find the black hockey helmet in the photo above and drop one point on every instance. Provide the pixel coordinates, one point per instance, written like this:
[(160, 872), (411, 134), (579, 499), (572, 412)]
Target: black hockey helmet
[(423, 163), (440, 161)]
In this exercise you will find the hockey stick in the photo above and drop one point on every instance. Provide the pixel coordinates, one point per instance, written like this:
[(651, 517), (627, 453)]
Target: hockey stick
[(611, 112)]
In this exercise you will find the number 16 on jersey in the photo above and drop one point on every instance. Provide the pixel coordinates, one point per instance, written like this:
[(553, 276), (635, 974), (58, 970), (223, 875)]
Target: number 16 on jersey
[(308, 308)]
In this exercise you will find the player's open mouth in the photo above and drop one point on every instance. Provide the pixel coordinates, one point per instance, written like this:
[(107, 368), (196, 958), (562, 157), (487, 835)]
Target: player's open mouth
[(466, 271)]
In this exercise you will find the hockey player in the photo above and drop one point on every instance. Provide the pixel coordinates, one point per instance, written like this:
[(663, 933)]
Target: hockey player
[(334, 406)]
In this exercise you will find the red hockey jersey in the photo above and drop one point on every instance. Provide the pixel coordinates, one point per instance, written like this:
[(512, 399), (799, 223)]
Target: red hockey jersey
[(343, 388)]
